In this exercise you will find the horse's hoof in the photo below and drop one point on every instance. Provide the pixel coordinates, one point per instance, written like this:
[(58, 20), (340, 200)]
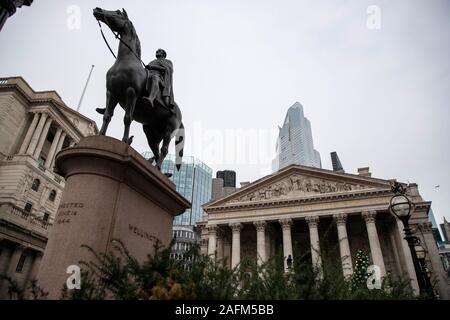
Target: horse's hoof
[(130, 140)]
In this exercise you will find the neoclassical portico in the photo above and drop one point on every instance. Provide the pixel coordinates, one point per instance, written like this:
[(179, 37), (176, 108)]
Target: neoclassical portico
[(42, 124), (307, 208)]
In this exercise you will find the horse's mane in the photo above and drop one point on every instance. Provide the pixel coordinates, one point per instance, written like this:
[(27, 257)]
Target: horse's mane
[(135, 36)]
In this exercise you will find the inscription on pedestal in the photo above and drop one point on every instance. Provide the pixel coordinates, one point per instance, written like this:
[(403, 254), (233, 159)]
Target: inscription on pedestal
[(67, 211), (143, 234)]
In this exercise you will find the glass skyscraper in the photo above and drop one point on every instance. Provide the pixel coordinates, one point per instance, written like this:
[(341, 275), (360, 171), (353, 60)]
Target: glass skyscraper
[(193, 182), (295, 142)]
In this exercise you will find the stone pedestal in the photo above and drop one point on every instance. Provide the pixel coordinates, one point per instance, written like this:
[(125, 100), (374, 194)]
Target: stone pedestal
[(111, 192)]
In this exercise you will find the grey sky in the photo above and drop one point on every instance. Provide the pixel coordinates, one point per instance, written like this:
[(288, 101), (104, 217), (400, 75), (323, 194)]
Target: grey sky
[(377, 97)]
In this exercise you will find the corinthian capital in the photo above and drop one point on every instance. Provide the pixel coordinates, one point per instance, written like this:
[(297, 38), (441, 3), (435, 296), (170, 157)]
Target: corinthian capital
[(312, 221), (340, 218), (212, 229), (235, 227), (285, 223), (369, 216), (260, 225)]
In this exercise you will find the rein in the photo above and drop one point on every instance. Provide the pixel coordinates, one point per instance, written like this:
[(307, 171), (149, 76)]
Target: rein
[(117, 36)]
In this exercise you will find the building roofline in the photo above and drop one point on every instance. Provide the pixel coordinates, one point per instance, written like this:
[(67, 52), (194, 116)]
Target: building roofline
[(307, 168), (33, 96)]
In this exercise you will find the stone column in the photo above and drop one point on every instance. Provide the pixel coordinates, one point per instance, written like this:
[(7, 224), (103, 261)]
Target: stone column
[(315, 243), (52, 151), (42, 138), (260, 241), (344, 247), (235, 244), (204, 246), (5, 260), (58, 148), (433, 255), (212, 240), (375, 248), (227, 250), (219, 245), (72, 144), (17, 253), (36, 134), (287, 241), (407, 257), (33, 269), (29, 135)]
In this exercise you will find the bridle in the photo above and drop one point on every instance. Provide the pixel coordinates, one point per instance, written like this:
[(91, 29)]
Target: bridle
[(117, 36)]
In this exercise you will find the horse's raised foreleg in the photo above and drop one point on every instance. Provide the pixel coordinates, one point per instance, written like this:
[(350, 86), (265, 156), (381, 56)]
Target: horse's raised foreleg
[(111, 103), (129, 111)]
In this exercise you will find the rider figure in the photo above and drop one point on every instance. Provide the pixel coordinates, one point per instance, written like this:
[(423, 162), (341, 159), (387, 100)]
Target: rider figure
[(160, 80)]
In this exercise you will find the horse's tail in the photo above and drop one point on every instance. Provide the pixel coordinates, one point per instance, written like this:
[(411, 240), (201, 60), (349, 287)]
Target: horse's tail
[(179, 146)]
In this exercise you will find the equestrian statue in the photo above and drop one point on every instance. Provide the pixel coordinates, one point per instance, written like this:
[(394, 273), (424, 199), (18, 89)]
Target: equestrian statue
[(145, 92)]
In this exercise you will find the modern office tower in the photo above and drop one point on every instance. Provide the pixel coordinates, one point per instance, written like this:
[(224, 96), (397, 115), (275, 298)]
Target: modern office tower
[(228, 177), (446, 230), (34, 127), (193, 182), (217, 188), (295, 142), (434, 227), (337, 166)]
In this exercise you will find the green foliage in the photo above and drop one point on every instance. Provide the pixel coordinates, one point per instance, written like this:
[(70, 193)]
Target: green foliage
[(117, 275), (18, 292)]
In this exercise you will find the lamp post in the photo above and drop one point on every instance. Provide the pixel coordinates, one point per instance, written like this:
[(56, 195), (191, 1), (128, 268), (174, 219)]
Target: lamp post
[(289, 262), (401, 207)]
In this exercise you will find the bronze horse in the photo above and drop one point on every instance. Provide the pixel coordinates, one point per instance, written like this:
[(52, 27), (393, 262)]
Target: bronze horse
[(126, 85)]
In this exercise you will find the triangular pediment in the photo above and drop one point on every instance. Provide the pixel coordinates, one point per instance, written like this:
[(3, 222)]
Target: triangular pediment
[(296, 182)]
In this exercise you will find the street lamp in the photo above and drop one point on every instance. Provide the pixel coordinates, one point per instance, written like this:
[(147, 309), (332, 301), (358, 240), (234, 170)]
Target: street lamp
[(420, 251), (289, 262), (401, 207), (421, 254)]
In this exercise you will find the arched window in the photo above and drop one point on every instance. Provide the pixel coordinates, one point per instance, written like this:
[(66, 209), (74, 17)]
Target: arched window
[(36, 184), (52, 195)]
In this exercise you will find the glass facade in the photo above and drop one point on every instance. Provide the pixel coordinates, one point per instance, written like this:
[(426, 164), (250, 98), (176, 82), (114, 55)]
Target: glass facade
[(295, 142), (193, 182)]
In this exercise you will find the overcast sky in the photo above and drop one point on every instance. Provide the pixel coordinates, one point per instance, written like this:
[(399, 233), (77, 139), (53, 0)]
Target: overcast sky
[(378, 96)]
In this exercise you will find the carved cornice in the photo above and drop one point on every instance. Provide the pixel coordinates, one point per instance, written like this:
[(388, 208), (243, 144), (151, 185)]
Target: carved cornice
[(340, 218), (425, 227), (279, 203), (369, 216), (312, 222)]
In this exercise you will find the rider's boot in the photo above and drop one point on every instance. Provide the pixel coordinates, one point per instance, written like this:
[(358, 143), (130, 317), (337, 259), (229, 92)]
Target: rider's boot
[(169, 106)]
